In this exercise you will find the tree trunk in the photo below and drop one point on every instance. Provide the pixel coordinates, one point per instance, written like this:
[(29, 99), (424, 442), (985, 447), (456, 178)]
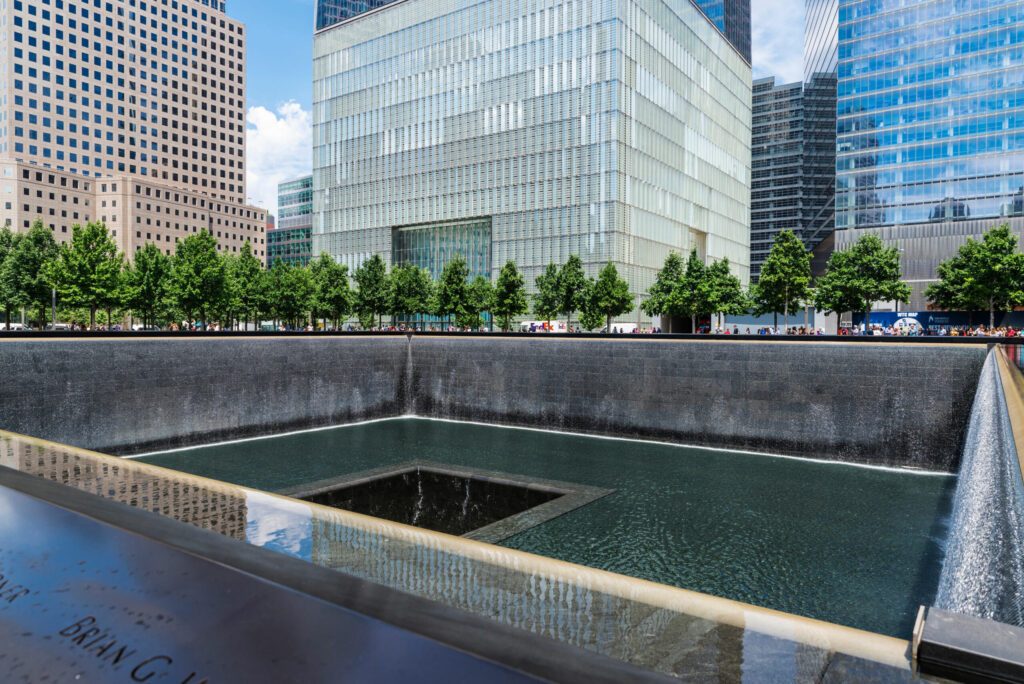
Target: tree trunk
[(669, 325), (775, 321), (693, 324), (108, 318), (92, 317), (608, 323), (785, 315), (991, 314), (867, 318)]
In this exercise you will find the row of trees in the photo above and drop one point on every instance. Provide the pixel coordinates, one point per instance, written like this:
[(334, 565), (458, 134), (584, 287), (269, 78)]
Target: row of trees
[(89, 274)]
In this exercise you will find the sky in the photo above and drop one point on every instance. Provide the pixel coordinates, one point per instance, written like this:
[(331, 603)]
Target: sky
[(280, 49)]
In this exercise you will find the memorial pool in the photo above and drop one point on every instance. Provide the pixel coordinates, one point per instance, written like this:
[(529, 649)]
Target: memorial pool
[(857, 546)]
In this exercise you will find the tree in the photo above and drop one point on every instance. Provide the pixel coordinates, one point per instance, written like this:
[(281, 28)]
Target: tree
[(659, 295), (986, 275), (509, 298), (785, 280), (591, 317), (11, 297), (332, 296), (372, 295), (479, 296), (33, 253), (198, 276), (87, 270), (857, 277), (146, 282), (572, 288), (546, 300), (724, 290), (250, 283), (690, 297), (609, 295), (292, 288), (411, 291), (452, 290)]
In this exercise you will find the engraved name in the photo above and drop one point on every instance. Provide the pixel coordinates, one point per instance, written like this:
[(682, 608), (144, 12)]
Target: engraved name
[(98, 642), (11, 591)]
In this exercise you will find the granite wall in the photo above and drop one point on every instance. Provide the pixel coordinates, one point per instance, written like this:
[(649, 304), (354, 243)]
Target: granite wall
[(882, 404), (892, 404), (126, 396)]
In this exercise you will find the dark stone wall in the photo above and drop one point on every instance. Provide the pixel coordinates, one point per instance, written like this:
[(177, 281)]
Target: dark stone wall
[(131, 396), (882, 404), (890, 404)]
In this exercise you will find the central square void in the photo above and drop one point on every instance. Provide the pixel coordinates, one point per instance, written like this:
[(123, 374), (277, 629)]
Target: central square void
[(461, 501)]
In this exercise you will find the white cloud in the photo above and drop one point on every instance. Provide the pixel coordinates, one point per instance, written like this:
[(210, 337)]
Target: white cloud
[(777, 39), (279, 147)]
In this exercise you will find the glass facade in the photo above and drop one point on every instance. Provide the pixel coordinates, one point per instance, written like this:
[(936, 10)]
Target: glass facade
[(732, 17), (291, 240), (330, 12), (821, 37), (793, 163), (433, 246), (931, 111), (618, 131)]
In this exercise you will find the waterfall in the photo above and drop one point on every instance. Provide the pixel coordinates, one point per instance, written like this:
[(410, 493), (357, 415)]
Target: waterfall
[(983, 573)]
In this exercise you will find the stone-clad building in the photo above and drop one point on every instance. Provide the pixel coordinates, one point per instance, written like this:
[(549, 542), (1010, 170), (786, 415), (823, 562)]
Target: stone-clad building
[(147, 97)]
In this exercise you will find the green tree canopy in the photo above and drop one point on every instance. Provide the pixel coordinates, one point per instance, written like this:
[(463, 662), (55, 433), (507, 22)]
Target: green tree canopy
[(509, 296), (293, 290), (591, 317), (659, 295), (572, 288), (986, 275), (609, 295), (411, 291), (452, 292), (87, 270), (546, 299), (11, 296), (725, 293), (857, 277), (479, 296), (251, 283), (146, 282), (199, 276), (373, 291), (332, 295), (785, 280), (32, 254), (691, 296)]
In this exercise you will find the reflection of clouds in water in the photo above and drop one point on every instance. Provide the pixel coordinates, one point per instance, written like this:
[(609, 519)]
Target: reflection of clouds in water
[(278, 524)]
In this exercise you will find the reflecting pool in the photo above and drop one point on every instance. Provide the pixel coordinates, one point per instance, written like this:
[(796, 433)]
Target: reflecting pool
[(852, 545)]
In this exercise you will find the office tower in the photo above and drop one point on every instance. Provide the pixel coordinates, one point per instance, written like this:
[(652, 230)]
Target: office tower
[(290, 240), (732, 17), (528, 133), (330, 12), (792, 163), (132, 113), (930, 127)]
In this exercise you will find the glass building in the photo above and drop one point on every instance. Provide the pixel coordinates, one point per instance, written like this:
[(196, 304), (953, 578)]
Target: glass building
[(291, 240), (930, 125), (732, 17), (618, 131), (330, 12)]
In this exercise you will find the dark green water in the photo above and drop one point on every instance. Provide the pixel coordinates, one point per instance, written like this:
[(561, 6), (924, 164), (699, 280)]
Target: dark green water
[(850, 545)]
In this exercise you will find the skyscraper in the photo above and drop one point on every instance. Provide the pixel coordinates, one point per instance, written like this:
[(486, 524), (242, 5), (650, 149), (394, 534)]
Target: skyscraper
[(505, 131), (290, 241), (793, 163), (132, 113), (732, 17), (930, 126), (330, 12), (794, 145)]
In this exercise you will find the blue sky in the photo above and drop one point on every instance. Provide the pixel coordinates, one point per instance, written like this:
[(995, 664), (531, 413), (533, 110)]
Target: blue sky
[(280, 79)]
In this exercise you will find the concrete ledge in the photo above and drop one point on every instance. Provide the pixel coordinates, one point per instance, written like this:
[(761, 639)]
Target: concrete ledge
[(968, 649)]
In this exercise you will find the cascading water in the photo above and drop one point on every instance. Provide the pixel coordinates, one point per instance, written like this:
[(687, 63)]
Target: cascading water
[(983, 573)]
